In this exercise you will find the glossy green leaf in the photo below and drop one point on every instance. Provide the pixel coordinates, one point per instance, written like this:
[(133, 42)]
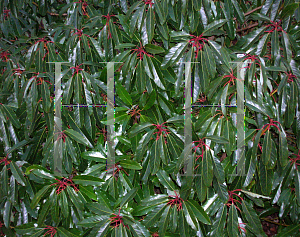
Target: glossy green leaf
[(232, 221), (252, 218), (78, 137), (130, 164), (87, 180), (124, 95), (165, 180)]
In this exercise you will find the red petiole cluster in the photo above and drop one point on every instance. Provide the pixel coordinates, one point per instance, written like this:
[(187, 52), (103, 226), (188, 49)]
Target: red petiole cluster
[(61, 135), (276, 26), (135, 112), (77, 69), (232, 200), (292, 189), (108, 18), (202, 99), (80, 33), (43, 40), (231, 78), (268, 56), (202, 145), (51, 231), (39, 80), (1, 232), (107, 24), (175, 201), (6, 14), (18, 71), (290, 76), (141, 52), (268, 125), (155, 234), (296, 160), (290, 79), (84, 5), (104, 96), (5, 160), (3, 71), (62, 184), (198, 42), (117, 220), (117, 169), (4, 55), (161, 128), (148, 2), (252, 58), (242, 228)]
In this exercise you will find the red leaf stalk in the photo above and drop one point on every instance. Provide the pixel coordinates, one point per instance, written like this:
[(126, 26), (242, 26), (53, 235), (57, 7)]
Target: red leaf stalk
[(290, 76), (161, 128), (104, 96), (198, 42), (242, 228), (148, 2), (104, 133), (80, 33), (5, 160), (276, 26), (108, 18), (84, 6), (253, 58), (268, 56), (117, 220), (77, 69), (1, 232), (175, 201), (202, 145), (232, 200), (4, 55), (62, 184), (271, 123), (231, 78), (17, 71), (6, 14), (51, 231), (135, 112), (296, 160), (43, 40), (202, 99), (141, 52), (107, 24), (61, 135), (39, 80), (117, 169), (292, 189)]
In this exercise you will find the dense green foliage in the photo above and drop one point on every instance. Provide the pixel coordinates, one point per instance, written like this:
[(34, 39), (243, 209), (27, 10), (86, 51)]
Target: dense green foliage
[(146, 194)]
